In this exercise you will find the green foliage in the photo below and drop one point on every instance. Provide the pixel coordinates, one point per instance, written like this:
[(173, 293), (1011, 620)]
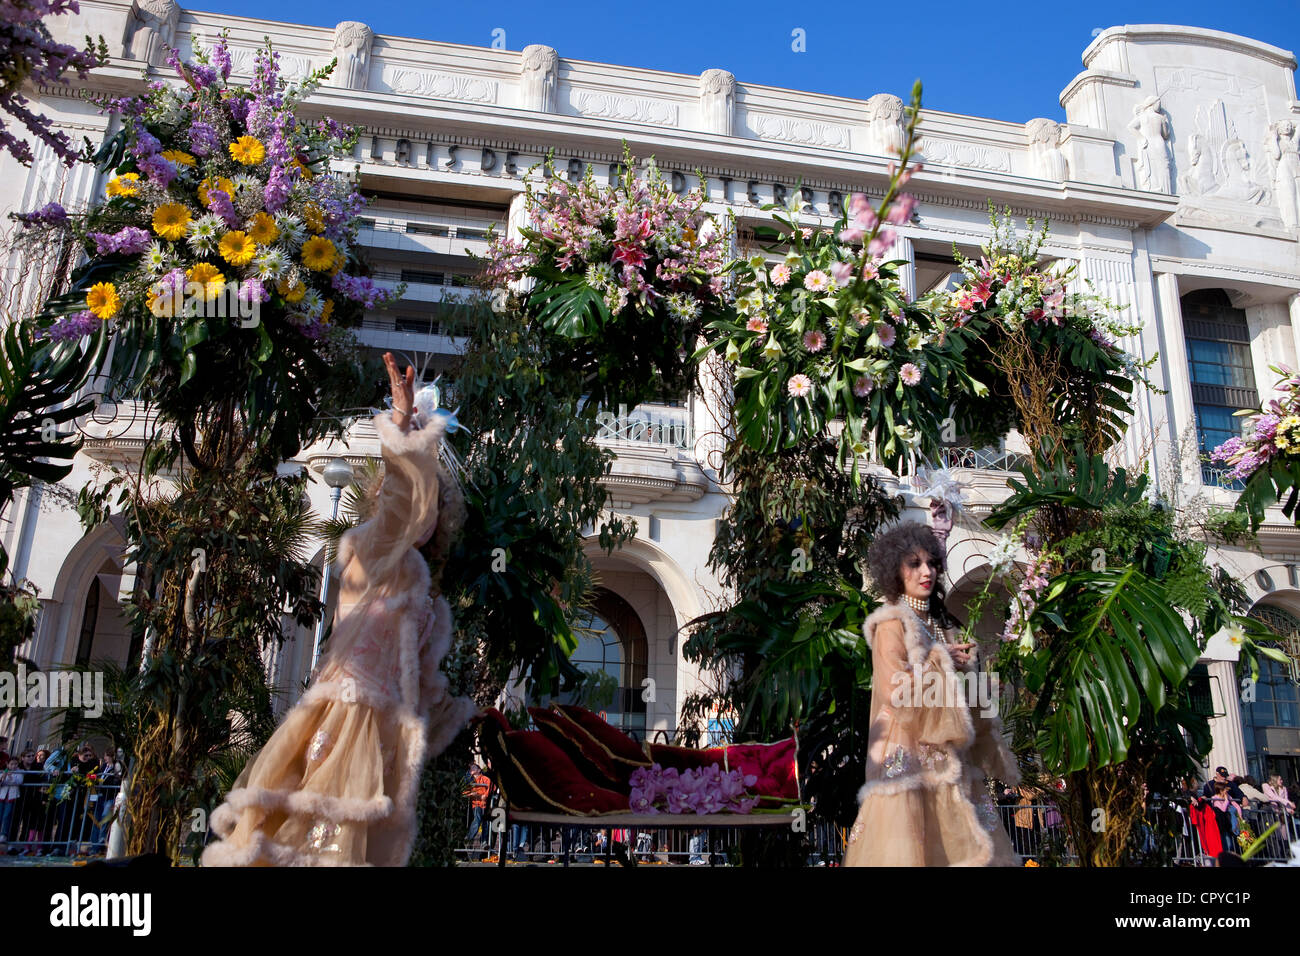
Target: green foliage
[(791, 648), (519, 577), (1117, 642), (37, 378)]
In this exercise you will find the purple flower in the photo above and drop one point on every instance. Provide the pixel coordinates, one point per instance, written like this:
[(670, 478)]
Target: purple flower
[(75, 326), (146, 144), (237, 107), (132, 240), (220, 204), (51, 213), (203, 139), (104, 243), (159, 171), (277, 189), (253, 290), (641, 801), (221, 57)]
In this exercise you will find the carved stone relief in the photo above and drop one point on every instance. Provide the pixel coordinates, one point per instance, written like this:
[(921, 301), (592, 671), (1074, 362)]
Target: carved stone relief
[(631, 108), (538, 77), (717, 101), (886, 134), (443, 86), (151, 28), (352, 44), (1045, 157), (789, 129)]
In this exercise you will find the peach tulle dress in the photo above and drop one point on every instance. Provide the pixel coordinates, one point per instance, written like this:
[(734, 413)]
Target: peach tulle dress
[(924, 802), (336, 784)]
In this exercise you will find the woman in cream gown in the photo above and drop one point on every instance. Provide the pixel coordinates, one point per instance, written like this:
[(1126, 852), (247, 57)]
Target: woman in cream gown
[(336, 784), (924, 801)]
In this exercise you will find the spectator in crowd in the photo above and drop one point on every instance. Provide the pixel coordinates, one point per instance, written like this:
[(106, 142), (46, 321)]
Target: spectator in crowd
[(1225, 809), (109, 773), (1206, 821), (479, 784), (31, 803), (697, 849), (10, 790), (1221, 775), (1276, 792)]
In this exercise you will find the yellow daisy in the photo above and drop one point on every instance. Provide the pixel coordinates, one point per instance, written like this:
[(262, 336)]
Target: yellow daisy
[(171, 220), (292, 293), (327, 311), (102, 300), (311, 215), (221, 182), (262, 229), (209, 277), (303, 169), (247, 150), (178, 156), (237, 248), (318, 253), (125, 185)]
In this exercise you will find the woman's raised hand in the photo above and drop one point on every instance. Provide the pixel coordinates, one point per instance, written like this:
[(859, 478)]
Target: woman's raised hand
[(961, 654), (403, 387)]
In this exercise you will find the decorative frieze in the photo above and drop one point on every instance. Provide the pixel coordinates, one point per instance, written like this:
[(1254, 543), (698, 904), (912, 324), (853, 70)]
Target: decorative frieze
[(442, 86), (791, 129), (616, 106)]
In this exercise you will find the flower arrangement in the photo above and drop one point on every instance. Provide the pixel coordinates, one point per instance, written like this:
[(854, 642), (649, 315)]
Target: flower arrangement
[(826, 331), (224, 241), (710, 789), (1049, 355), (625, 276), (1268, 457)]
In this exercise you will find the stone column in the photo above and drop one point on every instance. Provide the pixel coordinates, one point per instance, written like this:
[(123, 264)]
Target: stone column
[(1182, 416), (1113, 279), (903, 249), (1229, 745), (1272, 342)]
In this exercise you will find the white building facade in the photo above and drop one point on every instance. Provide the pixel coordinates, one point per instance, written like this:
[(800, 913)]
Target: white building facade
[(1174, 183)]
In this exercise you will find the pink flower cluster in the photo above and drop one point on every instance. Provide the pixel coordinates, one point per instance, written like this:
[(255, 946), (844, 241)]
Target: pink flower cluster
[(1274, 431), (708, 789), (1031, 586), (637, 244), (863, 222)]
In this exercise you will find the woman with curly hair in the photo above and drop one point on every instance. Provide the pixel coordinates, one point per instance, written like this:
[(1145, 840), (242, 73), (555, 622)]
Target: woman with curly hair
[(336, 784), (930, 745)]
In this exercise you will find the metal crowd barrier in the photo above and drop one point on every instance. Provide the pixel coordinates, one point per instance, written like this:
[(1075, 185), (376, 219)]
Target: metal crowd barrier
[(57, 819)]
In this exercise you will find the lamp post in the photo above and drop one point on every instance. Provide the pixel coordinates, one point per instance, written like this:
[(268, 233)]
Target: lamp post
[(338, 475)]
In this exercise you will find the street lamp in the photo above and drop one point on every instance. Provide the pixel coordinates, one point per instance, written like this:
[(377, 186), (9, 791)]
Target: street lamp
[(338, 475)]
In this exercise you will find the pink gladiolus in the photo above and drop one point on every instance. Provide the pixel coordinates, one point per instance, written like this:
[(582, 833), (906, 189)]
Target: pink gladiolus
[(901, 211), (842, 272)]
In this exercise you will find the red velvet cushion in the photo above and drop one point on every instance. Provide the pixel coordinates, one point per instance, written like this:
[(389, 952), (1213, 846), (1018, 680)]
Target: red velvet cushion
[(535, 774), (596, 765), (615, 744), (773, 764)]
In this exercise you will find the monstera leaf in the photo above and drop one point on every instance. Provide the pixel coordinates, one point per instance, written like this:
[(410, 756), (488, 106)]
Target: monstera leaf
[(1088, 486), (1116, 644)]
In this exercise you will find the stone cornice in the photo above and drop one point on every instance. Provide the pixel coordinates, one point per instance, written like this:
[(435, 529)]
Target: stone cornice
[(1198, 36)]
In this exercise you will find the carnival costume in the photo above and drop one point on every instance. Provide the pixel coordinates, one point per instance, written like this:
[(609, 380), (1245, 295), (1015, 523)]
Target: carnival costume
[(337, 782)]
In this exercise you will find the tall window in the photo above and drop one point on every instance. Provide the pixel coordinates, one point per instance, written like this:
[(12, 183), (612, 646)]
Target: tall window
[(1222, 373), (612, 651), (1271, 721)]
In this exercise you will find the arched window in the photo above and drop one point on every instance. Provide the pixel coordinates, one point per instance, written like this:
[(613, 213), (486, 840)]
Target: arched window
[(613, 649), (1221, 370)]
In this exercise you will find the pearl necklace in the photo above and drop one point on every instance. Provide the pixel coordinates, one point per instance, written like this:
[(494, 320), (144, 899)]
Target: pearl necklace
[(921, 608)]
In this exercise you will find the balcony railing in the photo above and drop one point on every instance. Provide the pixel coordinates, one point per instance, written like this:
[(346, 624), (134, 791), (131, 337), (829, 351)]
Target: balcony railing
[(1217, 476)]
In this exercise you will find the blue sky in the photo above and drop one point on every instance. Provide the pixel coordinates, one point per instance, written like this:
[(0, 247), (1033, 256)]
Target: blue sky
[(1006, 60)]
